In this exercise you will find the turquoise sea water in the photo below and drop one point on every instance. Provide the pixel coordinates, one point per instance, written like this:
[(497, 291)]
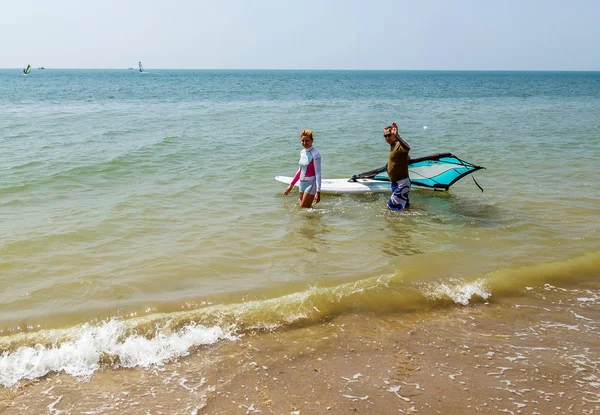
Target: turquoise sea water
[(134, 199)]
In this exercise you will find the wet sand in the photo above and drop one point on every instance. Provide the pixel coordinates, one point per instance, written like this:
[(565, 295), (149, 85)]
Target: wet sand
[(537, 354)]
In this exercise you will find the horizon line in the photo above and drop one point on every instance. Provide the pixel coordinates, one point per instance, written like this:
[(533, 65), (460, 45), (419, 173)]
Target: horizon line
[(314, 69)]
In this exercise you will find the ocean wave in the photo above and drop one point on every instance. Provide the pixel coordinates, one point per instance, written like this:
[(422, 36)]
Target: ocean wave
[(157, 338), (83, 355)]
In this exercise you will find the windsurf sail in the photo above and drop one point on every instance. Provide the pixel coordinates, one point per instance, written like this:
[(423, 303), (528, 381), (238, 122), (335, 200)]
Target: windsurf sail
[(437, 171), (140, 66), (27, 69)]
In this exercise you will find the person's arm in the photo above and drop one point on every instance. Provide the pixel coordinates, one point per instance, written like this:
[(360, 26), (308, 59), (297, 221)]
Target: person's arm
[(294, 180), (296, 177), (317, 162), (402, 141)]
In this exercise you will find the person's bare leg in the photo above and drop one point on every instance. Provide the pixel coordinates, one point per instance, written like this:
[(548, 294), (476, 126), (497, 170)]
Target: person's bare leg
[(306, 200)]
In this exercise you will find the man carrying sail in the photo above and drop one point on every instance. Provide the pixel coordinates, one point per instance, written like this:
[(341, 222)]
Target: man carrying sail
[(397, 168)]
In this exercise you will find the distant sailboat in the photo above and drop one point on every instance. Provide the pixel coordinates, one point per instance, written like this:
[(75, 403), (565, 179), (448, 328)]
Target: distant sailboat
[(26, 70), (141, 67)]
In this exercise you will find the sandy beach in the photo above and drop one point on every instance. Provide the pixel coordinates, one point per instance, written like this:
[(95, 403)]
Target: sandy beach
[(448, 361)]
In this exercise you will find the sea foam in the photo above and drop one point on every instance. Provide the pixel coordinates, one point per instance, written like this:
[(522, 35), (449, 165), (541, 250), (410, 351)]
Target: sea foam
[(81, 356), (458, 291)]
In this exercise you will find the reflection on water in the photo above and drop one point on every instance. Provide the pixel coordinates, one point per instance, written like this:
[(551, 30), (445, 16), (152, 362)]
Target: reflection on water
[(458, 206), (311, 225), (311, 229), (398, 235)]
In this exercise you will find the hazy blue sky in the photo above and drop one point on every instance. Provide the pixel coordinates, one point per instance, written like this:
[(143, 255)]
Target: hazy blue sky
[(303, 34)]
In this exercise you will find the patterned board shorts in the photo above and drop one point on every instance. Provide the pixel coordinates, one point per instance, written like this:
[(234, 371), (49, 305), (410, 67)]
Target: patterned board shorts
[(399, 198)]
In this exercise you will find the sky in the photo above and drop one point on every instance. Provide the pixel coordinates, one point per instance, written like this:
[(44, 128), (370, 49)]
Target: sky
[(302, 34)]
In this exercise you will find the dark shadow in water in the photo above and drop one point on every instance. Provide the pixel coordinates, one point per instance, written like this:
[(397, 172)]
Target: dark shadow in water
[(406, 233), (448, 208), (399, 239), (312, 228)]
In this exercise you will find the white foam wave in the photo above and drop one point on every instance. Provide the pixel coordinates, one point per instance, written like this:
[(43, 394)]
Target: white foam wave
[(458, 291), (81, 357)]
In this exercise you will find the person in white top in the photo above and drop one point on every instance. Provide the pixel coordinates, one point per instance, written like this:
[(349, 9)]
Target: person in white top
[(309, 172)]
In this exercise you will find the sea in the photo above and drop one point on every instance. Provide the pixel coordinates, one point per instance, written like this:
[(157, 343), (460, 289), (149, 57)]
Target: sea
[(140, 219)]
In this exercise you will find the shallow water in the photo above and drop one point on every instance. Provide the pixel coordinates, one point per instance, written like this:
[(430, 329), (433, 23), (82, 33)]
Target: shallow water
[(146, 204)]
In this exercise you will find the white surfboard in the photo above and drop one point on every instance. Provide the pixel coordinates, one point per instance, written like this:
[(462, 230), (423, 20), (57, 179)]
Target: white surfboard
[(343, 186)]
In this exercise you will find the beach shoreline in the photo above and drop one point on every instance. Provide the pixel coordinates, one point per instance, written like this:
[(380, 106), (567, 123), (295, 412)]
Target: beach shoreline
[(458, 361)]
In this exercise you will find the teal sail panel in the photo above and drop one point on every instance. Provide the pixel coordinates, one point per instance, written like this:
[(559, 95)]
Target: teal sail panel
[(436, 171)]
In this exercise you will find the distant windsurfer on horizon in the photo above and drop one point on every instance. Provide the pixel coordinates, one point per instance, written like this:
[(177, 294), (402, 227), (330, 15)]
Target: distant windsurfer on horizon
[(397, 168)]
